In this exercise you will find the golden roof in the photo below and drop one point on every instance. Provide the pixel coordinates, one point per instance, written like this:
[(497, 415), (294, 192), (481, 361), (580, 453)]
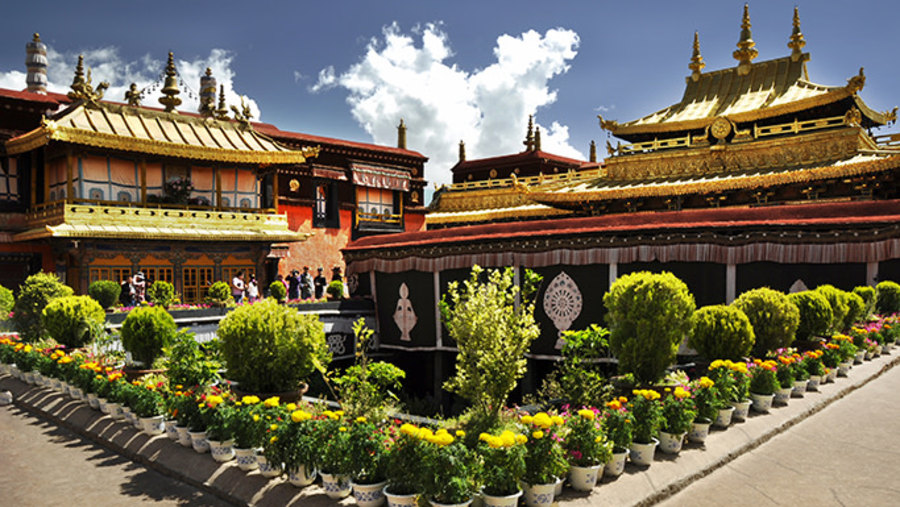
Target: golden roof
[(147, 131)]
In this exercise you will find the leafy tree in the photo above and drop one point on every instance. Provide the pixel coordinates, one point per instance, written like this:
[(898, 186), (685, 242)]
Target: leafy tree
[(773, 317), (868, 295), (277, 291), (7, 301), (887, 299), (105, 292), (721, 332), (70, 320), (856, 309), (815, 314), (161, 293), (34, 295), (219, 294), (146, 330), (839, 307)]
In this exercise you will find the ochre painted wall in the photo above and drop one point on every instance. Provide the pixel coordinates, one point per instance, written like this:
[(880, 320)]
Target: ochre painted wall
[(322, 249)]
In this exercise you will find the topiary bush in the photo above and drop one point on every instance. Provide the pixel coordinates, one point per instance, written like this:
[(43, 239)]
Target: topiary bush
[(70, 320), (219, 294), (105, 292), (335, 289), (721, 332), (648, 314), (270, 348), (773, 317), (38, 290), (146, 330), (7, 301), (161, 293), (868, 295), (887, 297), (277, 291), (838, 301), (815, 314), (856, 309)]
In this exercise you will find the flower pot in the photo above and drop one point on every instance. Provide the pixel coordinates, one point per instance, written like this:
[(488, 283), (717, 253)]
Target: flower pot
[(783, 396), (741, 409), (616, 464), (55, 384), (198, 441), (103, 405), (76, 393), (115, 411), (869, 355), (184, 438), (93, 401), (699, 431), (723, 419), (539, 494), (832, 374), (303, 476), (844, 368), (268, 469), (400, 500), (584, 478), (171, 432), (368, 495), (336, 486), (860, 355), (761, 402), (799, 388), (559, 486), (153, 425), (642, 454), (221, 450), (878, 349), (501, 501), (671, 443), (246, 459), (438, 504), (813, 383)]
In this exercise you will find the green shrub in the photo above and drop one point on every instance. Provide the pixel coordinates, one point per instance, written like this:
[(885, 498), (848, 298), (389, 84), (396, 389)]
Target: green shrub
[(815, 314), (335, 289), (146, 330), (868, 295), (105, 292), (839, 307), (649, 315), (856, 309), (186, 362), (38, 290), (887, 297), (270, 348), (7, 301), (161, 293), (580, 376), (277, 291), (70, 320), (721, 332), (773, 317), (219, 294)]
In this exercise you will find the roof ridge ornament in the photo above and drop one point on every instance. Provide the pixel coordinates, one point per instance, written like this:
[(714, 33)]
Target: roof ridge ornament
[(746, 51), (529, 136), (697, 63), (401, 135), (170, 89), (857, 82), (82, 89), (222, 110), (133, 96), (462, 150), (243, 114), (797, 41)]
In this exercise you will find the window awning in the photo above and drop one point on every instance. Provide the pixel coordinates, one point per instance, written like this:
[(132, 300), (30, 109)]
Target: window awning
[(373, 176)]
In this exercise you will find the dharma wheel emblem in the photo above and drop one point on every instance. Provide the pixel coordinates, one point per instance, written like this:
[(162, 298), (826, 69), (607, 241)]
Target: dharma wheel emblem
[(720, 128), (404, 316), (562, 303)]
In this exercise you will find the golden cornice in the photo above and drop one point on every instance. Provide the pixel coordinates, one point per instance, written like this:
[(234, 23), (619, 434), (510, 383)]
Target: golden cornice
[(487, 215)]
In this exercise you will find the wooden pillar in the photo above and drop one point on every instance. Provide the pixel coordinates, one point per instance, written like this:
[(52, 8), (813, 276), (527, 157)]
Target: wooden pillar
[(730, 283), (218, 186), (871, 274), (142, 165), (70, 175), (613, 272), (34, 177), (275, 190)]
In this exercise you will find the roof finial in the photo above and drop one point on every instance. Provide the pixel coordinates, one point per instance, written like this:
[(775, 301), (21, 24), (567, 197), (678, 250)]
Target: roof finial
[(797, 41), (207, 94), (529, 136), (696, 64), (170, 88), (78, 81), (746, 51), (462, 150), (133, 95), (401, 135), (593, 155), (36, 63), (222, 110), (537, 139)]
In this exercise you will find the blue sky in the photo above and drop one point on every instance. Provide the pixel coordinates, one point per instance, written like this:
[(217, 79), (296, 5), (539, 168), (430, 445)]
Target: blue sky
[(436, 63)]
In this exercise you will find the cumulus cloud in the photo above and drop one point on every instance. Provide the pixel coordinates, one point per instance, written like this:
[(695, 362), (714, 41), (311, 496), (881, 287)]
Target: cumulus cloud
[(106, 64), (414, 78)]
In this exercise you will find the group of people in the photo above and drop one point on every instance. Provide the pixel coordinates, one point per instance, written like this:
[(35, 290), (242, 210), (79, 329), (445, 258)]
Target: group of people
[(306, 286), (134, 289), (244, 291)]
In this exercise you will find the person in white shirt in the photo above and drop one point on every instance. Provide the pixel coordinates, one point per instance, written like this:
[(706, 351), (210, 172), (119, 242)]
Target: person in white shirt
[(237, 287), (252, 289)]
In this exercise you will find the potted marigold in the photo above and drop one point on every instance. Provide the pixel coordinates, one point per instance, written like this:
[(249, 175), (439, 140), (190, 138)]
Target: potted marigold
[(708, 402), (645, 408), (367, 450), (295, 444), (618, 424), (405, 480), (220, 428), (587, 449), (503, 465), (147, 404), (731, 383), (678, 413), (336, 464), (545, 460), (815, 368), (270, 415), (449, 468), (249, 431), (763, 384), (786, 374)]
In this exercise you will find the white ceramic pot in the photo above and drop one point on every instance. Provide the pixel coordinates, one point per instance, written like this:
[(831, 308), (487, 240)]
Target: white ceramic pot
[(336, 486), (115, 411), (246, 459), (616, 464), (502, 501), (103, 404), (303, 476), (741, 409), (671, 443), (128, 416), (171, 432), (400, 500), (438, 504), (93, 401), (860, 355), (76, 393), (221, 451), (269, 470), (642, 454), (723, 419), (537, 495), (584, 478), (198, 441), (844, 368), (368, 495), (813, 383), (832, 374), (762, 402), (783, 396), (699, 431), (184, 438), (153, 425), (799, 388), (559, 486)]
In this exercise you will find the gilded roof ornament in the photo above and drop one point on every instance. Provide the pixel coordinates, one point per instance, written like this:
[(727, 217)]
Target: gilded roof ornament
[(207, 94), (697, 63), (401, 135), (170, 89), (746, 51), (462, 150), (222, 109), (529, 136), (857, 82), (537, 138), (243, 114), (82, 88), (133, 95), (797, 41), (610, 125), (593, 151)]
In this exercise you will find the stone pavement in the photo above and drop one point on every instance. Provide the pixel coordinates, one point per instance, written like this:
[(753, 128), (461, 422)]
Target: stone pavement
[(637, 486)]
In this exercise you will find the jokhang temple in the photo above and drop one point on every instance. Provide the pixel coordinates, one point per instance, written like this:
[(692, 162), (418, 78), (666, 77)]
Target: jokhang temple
[(757, 177)]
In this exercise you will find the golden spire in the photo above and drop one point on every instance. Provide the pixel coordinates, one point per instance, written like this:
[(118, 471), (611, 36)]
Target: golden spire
[(222, 110), (696, 64), (593, 155), (537, 139), (78, 81), (746, 51), (170, 88), (797, 41), (529, 136), (462, 150), (401, 135)]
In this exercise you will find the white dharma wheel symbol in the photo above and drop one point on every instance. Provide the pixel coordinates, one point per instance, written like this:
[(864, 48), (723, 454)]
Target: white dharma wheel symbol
[(562, 303)]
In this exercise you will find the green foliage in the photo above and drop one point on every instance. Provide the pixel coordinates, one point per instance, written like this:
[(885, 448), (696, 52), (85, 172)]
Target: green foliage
[(367, 451), (868, 295), (856, 309), (786, 374), (219, 294), (145, 331), (647, 414), (503, 462), (586, 443), (887, 297), (815, 314), (492, 334), (449, 471), (335, 458), (707, 399), (618, 424), (186, 362), (335, 289), (297, 440), (7, 301), (721, 332), (763, 379), (773, 317), (581, 381), (161, 293), (404, 462), (678, 411), (839, 307), (649, 314), (270, 348), (69, 320), (366, 387), (34, 295), (145, 402), (105, 292), (277, 291)]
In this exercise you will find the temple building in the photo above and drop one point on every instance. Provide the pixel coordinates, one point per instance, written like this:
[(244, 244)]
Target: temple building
[(757, 177), (92, 189)]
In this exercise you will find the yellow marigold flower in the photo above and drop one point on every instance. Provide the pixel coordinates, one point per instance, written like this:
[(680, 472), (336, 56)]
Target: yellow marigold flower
[(508, 438), (623, 399), (537, 435), (291, 407), (342, 428), (274, 439), (255, 417), (272, 402), (28, 348), (361, 419), (614, 404), (527, 419), (409, 429), (444, 439), (718, 363), (521, 439), (587, 414), (706, 382), (557, 420), (681, 393), (460, 433), (339, 413), (598, 439), (543, 420), (248, 400), (273, 427), (214, 400), (484, 437), (494, 442), (300, 416), (424, 434)]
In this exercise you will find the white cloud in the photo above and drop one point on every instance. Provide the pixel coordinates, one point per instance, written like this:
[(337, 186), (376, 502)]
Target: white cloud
[(106, 64), (443, 104), (298, 76)]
